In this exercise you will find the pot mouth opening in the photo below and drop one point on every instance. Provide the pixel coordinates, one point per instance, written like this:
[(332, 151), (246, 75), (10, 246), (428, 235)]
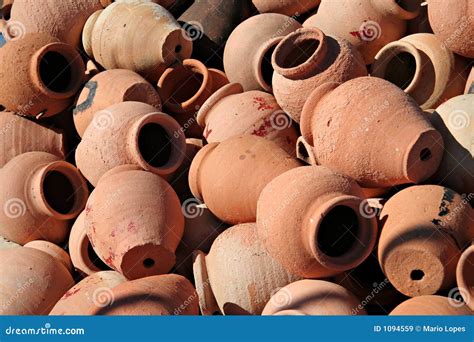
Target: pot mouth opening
[(94, 260), (401, 70), (155, 145), (299, 52), (264, 65), (56, 72), (407, 5), (6, 11)]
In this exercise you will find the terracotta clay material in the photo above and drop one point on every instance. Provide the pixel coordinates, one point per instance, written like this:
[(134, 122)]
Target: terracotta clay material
[(367, 24), (48, 74), (130, 133), (424, 229), (32, 281), (237, 277), (431, 306), (384, 140), (140, 237), (232, 112), (313, 297), (307, 58), (54, 250), (248, 51), (110, 87), (19, 135), (287, 7), (229, 176), (39, 193), (465, 276), (469, 89), (422, 66), (4, 243), (309, 220)]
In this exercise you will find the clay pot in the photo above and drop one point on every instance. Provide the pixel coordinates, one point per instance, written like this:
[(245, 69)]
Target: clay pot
[(470, 83), (239, 259), (307, 58), (421, 66), (108, 88), (39, 194), (287, 7), (156, 38), (383, 140), (229, 176), (130, 133), (368, 25), (48, 74), (309, 220), (248, 51), (431, 306), (231, 112), (54, 250), (423, 229), (134, 222), (95, 290), (32, 281), (19, 135), (313, 297), (456, 29), (5, 9), (465, 276), (184, 88), (92, 69), (4, 243)]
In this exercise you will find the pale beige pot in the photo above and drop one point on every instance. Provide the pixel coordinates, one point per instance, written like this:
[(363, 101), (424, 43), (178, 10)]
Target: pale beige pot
[(54, 250), (431, 306)]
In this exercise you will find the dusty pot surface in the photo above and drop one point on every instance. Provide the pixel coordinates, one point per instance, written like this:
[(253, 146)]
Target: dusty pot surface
[(309, 219), (130, 133), (424, 229), (237, 258), (248, 51), (384, 140), (32, 281), (54, 250), (313, 297), (39, 194), (287, 7), (431, 306), (48, 73), (5, 243), (134, 230), (110, 87), (232, 112), (465, 276), (307, 58), (229, 176)]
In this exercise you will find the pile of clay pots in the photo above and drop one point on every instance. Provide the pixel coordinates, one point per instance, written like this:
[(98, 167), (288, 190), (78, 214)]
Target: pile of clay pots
[(274, 157)]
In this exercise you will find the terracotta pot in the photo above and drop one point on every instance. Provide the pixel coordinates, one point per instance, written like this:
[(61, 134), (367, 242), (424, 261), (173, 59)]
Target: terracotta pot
[(4, 243), (248, 51), (287, 7), (133, 230), (184, 88), (313, 297), (39, 194), (237, 258), (145, 36), (231, 112), (384, 140), (368, 25), (48, 74), (465, 276), (19, 135), (229, 176), (108, 88), (92, 69), (431, 306), (421, 66), (456, 29), (32, 281), (130, 133), (307, 58), (423, 229), (5, 9), (309, 220), (54, 250), (95, 290), (470, 83)]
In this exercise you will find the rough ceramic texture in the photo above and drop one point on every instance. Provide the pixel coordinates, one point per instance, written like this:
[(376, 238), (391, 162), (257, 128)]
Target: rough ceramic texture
[(424, 229), (367, 24), (5, 243), (422, 66), (32, 281), (237, 276), (54, 250), (309, 220), (39, 194), (465, 276), (229, 176), (130, 133), (287, 7), (134, 222), (110, 87), (232, 112), (384, 140), (19, 135), (307, 58), (431, 306), (156, 37), (248, 51), (313, 297), (48, 74)]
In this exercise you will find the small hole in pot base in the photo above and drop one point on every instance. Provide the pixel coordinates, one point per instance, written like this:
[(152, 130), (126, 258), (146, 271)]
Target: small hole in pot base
[(154, 144), (417, 275), (148, 263), (300, 53), (425, 154), (58, 192), (401, 70), (178, 49), (55, 72)]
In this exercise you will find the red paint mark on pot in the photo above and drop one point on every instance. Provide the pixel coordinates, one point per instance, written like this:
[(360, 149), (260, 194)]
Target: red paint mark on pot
[(262, 130), (355, 34), (71, 292), (131, 227), (262, 104), (88, 209), (207, 132)]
